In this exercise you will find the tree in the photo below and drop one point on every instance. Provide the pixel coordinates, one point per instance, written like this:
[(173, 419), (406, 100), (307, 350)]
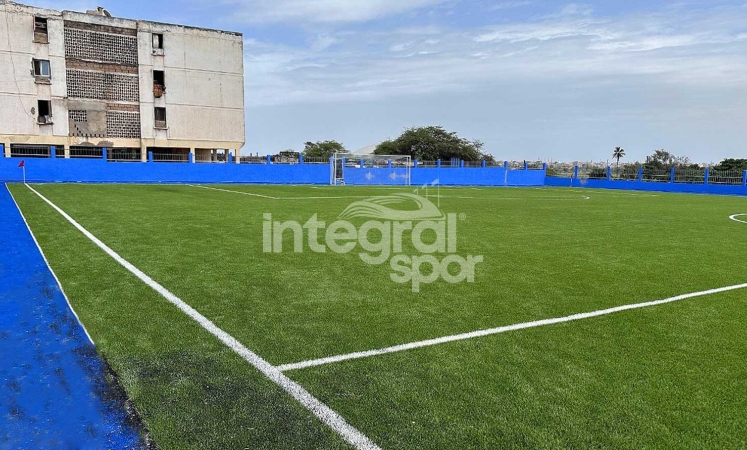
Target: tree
[(661, 159), (432, 143), (731, 164), (617, 154), (323, 149)]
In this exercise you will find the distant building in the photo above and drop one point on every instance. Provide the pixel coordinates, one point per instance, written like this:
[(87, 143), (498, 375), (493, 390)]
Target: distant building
[(86, 81)]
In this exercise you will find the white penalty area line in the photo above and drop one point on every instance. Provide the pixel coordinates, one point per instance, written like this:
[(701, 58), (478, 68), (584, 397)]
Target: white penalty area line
[(319, 409), (734, 218), (499, 330)]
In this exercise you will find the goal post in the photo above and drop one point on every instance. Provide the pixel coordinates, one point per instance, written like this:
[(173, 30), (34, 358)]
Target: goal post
[(382, 170)]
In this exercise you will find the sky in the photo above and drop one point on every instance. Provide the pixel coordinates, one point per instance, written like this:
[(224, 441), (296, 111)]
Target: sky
[(535, 80)]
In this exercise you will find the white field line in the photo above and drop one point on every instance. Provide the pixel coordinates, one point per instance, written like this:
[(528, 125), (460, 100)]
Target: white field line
[(319, 409), (499, 330), (57, 280), (583, 197), (233, 192), (734, 218), (293, 198)]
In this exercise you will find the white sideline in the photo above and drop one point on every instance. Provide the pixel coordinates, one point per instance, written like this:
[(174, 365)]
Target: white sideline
[(57, 280), (504, 329), (734, 218), (319, 409)]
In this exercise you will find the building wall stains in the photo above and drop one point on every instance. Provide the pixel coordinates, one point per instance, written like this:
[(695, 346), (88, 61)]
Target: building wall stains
[(102, 86), (94, 46), (102, 65), (120, 124)]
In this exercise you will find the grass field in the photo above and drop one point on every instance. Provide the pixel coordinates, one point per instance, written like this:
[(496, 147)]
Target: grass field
[(665, 376)]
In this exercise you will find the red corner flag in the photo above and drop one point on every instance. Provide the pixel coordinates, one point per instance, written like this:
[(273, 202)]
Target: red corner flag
[(23, 163)]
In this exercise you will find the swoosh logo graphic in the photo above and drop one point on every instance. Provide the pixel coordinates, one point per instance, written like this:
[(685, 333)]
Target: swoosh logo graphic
[(381, 208)]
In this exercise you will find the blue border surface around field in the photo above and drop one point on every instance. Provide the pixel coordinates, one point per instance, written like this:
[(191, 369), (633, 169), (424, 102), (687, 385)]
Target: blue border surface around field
[(53, 392)]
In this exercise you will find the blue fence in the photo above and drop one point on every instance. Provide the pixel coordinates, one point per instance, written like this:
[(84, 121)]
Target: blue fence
[(672, 180), (48, 170), (98, 170)]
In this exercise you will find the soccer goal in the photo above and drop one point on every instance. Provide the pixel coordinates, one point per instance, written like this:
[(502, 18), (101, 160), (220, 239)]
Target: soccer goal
[(382, 170)]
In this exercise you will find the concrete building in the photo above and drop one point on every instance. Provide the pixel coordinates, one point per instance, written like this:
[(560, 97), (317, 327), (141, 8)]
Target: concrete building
[(86, 81)]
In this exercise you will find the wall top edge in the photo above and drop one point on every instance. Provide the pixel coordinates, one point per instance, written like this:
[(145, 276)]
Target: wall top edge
[(146, 25)]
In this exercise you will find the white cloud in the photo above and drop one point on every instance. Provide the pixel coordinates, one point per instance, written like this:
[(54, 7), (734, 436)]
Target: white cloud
[(509, 5), (323, 42), (706, 50), (323, 11)]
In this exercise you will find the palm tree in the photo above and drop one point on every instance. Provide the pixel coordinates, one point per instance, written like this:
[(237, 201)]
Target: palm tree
[(617, 154)]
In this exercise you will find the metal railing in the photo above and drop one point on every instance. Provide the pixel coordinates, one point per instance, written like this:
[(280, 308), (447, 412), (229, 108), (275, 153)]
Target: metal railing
[(285, 160), (208, 159), (627, 173), (315, 160), (657, 175), (124, 155), (30, 151), (692, 176), (86, 152), (170, 157), (255, 160), (725, 177)]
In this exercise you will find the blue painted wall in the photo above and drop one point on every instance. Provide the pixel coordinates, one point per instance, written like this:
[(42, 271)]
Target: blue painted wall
[(461, 176), (49, 170), (53, 391), (648, 186)]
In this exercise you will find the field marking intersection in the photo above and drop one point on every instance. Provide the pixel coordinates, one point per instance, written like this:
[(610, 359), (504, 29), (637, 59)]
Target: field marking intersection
[(323, 412)]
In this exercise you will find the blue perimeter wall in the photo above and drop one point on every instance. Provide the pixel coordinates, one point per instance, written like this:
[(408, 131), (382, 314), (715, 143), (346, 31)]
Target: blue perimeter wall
[(687, 188), (51, 170), (61, 170), (469, 176)]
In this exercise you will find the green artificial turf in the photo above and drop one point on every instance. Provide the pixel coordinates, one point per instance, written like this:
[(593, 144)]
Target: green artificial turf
[(671, 376)]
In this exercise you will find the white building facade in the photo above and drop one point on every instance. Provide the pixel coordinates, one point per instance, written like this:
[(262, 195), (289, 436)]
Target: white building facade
[(82, 82)]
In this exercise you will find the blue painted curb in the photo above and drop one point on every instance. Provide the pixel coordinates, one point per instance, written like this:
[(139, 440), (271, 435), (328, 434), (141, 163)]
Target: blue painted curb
[(53, 388)]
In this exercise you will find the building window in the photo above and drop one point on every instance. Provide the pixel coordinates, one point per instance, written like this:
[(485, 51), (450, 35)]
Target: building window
[(157, 41), (45, 112), (159, 83), (41, 34), (41, 68), (160, 115)]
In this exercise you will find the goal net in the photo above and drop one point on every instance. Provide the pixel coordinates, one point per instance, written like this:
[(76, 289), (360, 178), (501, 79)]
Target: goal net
[(382, 170)]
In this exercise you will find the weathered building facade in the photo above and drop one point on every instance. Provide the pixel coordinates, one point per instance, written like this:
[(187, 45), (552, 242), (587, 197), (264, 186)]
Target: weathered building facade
[(85, 81)]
